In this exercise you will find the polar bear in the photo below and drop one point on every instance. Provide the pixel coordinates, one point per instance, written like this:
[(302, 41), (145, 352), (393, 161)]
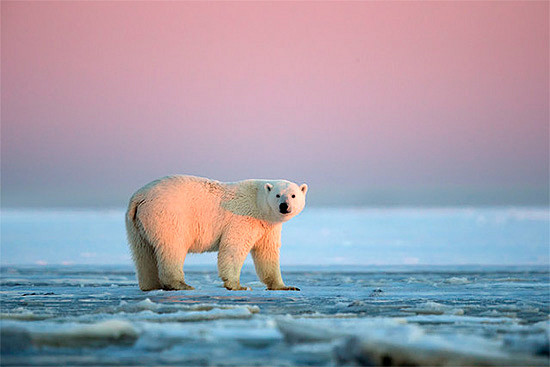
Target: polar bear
[(175, 215)]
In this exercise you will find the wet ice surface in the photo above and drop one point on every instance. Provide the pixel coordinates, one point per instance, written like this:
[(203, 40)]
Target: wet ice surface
[(91, 315)]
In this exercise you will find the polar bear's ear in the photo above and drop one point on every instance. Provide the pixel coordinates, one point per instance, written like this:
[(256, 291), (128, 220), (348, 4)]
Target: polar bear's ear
[(268, 187), (303, 187)]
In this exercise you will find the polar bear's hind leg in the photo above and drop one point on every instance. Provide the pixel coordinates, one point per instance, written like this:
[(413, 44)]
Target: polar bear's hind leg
[(145, 261), (170, 271)]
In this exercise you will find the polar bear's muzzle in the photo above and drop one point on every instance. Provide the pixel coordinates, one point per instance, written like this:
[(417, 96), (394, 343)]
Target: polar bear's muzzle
[(283, 208)]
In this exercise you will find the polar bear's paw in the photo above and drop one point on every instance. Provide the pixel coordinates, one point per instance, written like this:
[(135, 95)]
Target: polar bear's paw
[(233, 287), (177, 286), (240, 288), (284, 288)]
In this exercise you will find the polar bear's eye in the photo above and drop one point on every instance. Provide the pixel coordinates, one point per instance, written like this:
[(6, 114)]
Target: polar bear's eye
[(293, 195), (278, 195)]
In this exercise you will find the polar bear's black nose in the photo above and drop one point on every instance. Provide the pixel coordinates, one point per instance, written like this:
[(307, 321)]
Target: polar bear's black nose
[(283, 208)]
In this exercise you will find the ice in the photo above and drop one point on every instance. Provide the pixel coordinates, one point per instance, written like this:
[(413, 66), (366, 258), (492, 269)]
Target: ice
[(146, 304), (434, 308), (258, 338), (14, 340), (95, 335), (385, 341), (157, 337), (243, 312), (160, 308), (319, 236), (451, 319), (185, 314), (457, 280), (344, 315), (74, 335), (527, 344), (21, 313), (295, 332)]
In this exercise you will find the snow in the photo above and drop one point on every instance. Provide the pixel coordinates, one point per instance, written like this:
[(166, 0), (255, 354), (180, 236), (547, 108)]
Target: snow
[(318, 236)]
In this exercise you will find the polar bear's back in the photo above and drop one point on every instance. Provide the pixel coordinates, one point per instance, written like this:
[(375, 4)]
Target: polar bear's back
[(181, 187), (179, 208), (181, 191)]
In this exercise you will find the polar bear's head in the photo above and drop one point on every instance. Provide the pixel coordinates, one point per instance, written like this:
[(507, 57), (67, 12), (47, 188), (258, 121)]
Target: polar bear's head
[(284, 199)]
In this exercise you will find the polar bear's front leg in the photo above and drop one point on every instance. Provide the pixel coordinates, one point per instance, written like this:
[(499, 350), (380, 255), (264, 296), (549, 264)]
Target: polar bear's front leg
[(230, 263), (266, 261), (234, 247)]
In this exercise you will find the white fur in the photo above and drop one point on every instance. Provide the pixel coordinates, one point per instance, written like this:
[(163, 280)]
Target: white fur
[(174, 215)]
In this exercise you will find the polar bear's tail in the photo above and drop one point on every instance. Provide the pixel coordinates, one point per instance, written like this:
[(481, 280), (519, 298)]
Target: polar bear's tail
[(132, 209), (142, 250), (132, 229)]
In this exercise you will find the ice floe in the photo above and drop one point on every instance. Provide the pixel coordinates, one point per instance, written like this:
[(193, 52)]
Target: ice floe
[(434, 308), (384, 341), (21, 313)]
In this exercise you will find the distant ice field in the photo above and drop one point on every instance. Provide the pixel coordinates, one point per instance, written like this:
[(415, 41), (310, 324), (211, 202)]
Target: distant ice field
[(318, 236)]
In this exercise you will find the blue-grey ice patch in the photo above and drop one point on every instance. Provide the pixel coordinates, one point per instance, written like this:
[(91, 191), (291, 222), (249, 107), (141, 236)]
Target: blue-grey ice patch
[(433, 308), (384, 341), (76, 335)]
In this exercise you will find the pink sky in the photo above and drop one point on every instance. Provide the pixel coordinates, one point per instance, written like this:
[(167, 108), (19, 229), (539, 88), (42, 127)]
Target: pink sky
[(367, 102)]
